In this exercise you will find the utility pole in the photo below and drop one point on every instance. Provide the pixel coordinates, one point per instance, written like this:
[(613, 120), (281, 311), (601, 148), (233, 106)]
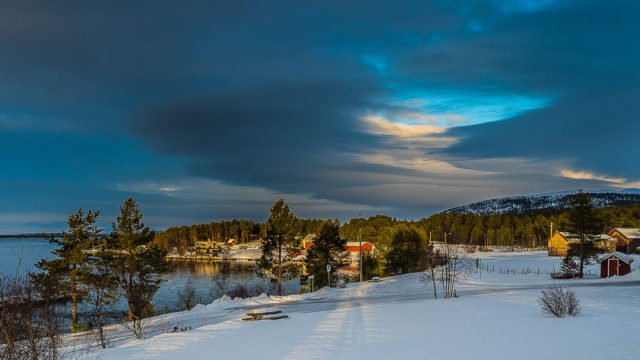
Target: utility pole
[(551, 233), (360, 241)]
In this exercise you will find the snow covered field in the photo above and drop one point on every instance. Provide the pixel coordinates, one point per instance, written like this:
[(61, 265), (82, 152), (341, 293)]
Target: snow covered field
[(495, 317)]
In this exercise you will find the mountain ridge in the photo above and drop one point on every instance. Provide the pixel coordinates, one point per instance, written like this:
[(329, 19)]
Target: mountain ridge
[(555, 201)]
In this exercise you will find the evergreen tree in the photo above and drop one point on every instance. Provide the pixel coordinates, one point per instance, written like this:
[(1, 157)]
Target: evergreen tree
[(408, 250), (584, 222), (136, 264), (328, 249), (279, 245), (64, 274), (565, 266), (372, 265)]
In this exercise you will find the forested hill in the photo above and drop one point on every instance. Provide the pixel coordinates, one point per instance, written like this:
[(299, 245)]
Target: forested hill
[(517, 205)]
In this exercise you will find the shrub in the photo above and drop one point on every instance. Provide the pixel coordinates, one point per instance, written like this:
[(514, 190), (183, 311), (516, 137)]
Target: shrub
[(559, 302)]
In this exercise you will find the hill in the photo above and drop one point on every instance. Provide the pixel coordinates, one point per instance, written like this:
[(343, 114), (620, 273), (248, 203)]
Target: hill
[(552, 202)]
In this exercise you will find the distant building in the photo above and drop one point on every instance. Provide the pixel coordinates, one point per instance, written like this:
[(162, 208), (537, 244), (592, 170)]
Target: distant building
[(207, 248), (307, 241), (559, 243), (614, 264), (353, 249), (231, 242), (628, 239)]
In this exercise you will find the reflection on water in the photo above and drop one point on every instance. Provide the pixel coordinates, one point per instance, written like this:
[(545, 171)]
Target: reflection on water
[(26, 252), (210, 279)]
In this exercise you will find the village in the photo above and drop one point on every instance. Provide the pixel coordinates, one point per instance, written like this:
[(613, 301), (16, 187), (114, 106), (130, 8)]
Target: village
[(398, 314), (613, 246)]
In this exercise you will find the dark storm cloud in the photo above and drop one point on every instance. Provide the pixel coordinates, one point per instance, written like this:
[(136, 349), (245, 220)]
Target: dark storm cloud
[(583, 54), (284, 136), (593, 132), (568, 47), (119, 53)]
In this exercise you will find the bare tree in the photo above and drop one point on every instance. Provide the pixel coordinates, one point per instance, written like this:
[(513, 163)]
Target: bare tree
[(455, 265), (222, 280), (187, 296), (431, 273), (100, 289), (29, 322)]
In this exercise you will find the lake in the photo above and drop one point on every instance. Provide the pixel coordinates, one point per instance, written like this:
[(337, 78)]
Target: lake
[(21, 255)]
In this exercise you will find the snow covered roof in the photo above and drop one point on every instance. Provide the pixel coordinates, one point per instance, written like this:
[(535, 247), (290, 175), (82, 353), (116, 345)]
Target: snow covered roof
[(574, 237), (629, 233), (622, 256)]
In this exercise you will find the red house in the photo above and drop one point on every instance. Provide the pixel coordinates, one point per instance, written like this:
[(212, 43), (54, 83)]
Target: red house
[(615, 264)]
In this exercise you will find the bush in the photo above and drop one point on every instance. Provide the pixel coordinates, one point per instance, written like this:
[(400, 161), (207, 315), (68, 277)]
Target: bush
[(559, 302), (243, 291)]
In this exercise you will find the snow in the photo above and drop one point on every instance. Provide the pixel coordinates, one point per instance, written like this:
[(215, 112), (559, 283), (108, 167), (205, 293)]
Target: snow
[(629, 233), (622, 256), (555, 201), (495, 317)]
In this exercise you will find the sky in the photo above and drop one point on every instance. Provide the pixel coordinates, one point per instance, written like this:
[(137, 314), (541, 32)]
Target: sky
[(211, 110)]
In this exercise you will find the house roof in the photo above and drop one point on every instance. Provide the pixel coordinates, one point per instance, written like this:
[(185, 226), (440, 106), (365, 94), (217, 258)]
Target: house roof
[(574, 237), (622, 256), (353, 246), (629, 233), (357, 244)]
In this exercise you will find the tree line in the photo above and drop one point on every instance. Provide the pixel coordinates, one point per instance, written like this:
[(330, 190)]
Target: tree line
[(526, 230), (181, 238), (521, 230)]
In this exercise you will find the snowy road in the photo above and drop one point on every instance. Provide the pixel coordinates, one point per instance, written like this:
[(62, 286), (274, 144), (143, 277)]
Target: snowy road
[(327, 303)]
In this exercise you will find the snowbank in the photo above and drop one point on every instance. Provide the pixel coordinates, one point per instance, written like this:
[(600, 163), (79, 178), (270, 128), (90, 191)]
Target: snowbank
[(496, 317)]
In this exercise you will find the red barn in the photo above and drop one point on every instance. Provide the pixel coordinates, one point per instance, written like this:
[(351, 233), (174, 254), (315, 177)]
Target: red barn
[(615, 264)]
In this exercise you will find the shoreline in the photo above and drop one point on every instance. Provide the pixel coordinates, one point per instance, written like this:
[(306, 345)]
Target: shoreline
[(186, 258)]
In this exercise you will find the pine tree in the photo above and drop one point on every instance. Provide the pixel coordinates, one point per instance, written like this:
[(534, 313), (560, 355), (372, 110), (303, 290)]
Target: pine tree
[(328, 249), (136, 264), (565, 266), (279, 245), (584, 222), (64, 274)]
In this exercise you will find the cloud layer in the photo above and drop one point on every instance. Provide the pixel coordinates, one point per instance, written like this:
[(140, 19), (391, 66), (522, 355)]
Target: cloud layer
[(341, 107)]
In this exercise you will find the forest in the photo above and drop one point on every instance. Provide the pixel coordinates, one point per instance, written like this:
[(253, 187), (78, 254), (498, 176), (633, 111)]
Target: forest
[(522, 230)]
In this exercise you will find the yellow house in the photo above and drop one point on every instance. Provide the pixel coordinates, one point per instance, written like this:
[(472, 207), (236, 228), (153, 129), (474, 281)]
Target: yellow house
[(559, 243)]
